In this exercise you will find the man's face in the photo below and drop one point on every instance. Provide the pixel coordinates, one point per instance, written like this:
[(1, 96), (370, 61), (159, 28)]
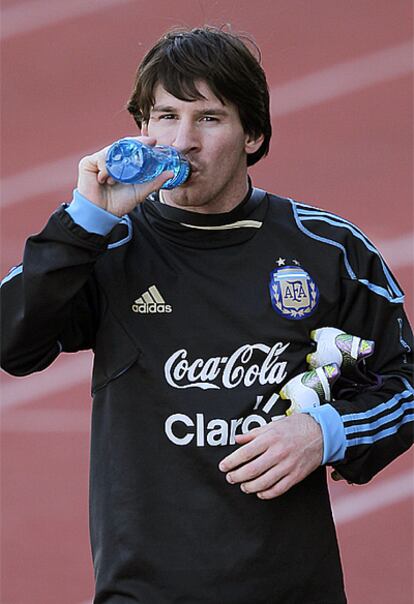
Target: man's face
[(210, 134)]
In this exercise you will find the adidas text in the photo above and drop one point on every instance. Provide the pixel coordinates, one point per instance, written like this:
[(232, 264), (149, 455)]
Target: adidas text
[(151, 302), (151, 308)]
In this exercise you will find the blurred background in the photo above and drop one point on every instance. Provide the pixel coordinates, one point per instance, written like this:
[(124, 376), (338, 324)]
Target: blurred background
[(340, 74)]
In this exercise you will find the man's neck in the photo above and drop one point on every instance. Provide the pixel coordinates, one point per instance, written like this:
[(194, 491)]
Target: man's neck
[(223, 203)]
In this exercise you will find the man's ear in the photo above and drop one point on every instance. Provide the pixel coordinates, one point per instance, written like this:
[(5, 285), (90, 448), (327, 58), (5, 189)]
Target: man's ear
[(253, 143)]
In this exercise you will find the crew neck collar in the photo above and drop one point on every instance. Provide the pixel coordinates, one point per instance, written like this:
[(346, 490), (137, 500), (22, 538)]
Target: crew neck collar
[(189, 218), (202, 231)]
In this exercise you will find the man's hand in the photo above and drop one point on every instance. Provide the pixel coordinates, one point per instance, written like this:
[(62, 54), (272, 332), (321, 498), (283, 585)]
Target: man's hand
[(97, 186), (275, 457)]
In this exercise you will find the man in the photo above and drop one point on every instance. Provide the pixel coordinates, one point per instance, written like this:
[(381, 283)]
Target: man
[(199, 303)]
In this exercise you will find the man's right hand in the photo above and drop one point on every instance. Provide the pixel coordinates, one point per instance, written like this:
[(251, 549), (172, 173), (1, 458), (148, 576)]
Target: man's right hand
[(98, 187)]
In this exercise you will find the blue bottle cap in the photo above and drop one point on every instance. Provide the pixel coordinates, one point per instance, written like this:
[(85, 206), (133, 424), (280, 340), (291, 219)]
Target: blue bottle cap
[(124, 161)]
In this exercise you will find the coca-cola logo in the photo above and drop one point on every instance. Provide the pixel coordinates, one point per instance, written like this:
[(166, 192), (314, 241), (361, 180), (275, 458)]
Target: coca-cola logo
[(228, 372)]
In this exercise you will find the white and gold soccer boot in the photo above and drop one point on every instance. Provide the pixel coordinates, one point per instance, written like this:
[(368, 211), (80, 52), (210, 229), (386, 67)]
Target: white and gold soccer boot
[(335, 346), (310, 388)]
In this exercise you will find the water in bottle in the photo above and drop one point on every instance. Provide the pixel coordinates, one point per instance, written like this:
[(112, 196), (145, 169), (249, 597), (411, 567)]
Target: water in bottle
[(131, 162)]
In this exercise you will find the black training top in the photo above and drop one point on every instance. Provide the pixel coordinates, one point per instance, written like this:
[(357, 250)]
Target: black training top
[(197, 321)]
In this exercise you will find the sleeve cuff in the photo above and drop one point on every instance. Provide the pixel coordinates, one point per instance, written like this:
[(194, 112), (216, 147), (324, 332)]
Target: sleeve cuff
[(91, 217), (333, 432)]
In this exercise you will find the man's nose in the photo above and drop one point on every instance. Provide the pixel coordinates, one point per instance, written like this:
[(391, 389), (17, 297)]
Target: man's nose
[(186, 137)]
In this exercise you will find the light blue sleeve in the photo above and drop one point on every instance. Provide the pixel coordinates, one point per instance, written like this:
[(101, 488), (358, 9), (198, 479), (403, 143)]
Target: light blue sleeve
[(333, 432), (91, 217)]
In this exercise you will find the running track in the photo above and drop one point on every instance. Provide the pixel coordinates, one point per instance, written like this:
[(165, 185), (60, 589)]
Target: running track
[(341, 81)]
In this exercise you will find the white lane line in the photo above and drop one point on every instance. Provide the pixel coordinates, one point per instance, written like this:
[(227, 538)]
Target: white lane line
[(367, 499), (44, 179), (315, 88), (46, 420), (342, 78), (398, 252), (53, 176), (70, 371), (29, 16)]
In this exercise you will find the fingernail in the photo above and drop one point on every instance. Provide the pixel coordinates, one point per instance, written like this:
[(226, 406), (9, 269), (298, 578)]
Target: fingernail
[(243, 488), (229, 478), (222, 466)]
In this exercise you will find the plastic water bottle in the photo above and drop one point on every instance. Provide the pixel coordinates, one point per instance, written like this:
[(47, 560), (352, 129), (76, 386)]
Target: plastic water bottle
[(131, 162)]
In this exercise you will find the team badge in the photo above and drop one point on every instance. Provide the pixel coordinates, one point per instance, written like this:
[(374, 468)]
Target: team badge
[(293, 292)]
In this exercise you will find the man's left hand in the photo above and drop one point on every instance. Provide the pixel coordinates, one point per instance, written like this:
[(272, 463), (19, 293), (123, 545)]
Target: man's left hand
[(275, 457)]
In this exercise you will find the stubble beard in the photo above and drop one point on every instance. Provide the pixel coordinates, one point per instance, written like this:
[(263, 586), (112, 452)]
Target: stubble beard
[(197, 198)]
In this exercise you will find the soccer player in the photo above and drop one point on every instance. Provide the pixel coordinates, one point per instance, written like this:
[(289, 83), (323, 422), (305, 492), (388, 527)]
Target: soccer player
[(202, 303)]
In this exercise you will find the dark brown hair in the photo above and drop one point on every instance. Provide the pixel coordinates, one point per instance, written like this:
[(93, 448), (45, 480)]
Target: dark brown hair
[(223, 61)]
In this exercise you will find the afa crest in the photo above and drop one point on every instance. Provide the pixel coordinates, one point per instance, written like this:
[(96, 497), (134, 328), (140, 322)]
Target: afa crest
[(293, 292)]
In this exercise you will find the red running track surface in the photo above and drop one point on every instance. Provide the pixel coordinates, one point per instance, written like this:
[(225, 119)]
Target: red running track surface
[(341, 81)]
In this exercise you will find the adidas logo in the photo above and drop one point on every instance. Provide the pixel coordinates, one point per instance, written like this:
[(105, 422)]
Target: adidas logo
[(151, 302)]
